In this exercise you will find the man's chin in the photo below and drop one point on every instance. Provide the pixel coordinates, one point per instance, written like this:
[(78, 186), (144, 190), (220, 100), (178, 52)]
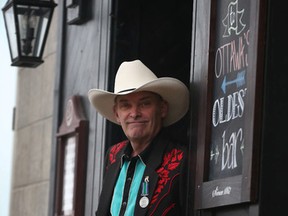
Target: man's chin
[(135, 134)]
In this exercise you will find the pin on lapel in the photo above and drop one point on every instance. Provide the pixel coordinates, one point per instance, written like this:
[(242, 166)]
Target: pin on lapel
[(144, 201)]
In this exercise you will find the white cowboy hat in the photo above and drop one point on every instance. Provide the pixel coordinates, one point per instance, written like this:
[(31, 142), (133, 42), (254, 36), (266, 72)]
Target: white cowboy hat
[(134, 76)]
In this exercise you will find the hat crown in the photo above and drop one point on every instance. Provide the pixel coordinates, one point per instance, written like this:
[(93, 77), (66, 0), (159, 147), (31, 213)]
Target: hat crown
[(132, 75)]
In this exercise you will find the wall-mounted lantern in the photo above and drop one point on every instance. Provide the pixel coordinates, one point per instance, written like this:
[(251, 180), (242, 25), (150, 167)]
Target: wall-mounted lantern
[(27, 24)]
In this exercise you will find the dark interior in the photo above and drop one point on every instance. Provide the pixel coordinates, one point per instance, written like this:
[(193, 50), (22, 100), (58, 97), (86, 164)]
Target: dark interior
[(159, 34)]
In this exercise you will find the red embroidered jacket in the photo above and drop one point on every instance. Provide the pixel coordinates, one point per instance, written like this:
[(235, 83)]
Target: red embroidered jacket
[(166, 166)]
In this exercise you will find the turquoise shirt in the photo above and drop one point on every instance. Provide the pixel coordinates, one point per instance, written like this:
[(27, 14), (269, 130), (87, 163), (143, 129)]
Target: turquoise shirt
[(133, 191)]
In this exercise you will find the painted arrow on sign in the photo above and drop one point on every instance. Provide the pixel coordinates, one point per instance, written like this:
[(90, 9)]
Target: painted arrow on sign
[(239, 81), (215, 155)]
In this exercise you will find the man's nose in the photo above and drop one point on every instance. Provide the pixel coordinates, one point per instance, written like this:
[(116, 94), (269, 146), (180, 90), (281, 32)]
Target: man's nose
[(135, 111)]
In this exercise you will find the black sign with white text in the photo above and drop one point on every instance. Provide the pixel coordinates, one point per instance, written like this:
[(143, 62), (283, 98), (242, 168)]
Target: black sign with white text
[(231, 60)]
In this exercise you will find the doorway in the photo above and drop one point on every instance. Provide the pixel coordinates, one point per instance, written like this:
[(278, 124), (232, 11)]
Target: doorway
[(158, 32)]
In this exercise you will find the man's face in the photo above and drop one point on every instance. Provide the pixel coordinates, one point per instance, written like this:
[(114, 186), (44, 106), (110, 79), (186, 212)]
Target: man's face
[(140, 114)]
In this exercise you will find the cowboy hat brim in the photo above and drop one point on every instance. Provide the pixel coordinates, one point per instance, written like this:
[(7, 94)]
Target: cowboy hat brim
[(171, 90)]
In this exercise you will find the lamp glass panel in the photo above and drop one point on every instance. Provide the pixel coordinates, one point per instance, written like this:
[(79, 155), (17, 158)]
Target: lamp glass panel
[(33, 23), (42, 31), (11, 31)]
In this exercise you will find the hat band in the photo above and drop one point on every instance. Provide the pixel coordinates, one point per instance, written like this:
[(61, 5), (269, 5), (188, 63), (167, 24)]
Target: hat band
[(126, 90)]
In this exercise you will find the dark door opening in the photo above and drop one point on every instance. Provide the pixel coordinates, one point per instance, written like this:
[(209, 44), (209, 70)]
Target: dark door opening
[(158, 32)]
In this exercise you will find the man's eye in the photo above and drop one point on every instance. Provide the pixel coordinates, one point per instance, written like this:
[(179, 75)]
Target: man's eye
[(124, 105), (145, 103)]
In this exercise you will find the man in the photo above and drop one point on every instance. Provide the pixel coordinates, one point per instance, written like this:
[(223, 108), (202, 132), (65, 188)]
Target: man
[(144, 175)]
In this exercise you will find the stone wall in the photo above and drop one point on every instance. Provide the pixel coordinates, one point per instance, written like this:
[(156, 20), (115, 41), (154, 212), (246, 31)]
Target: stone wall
[(33, 133)]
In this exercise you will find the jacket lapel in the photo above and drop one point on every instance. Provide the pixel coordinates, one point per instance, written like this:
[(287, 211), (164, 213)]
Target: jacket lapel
[(153, 161), (109, 183)]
